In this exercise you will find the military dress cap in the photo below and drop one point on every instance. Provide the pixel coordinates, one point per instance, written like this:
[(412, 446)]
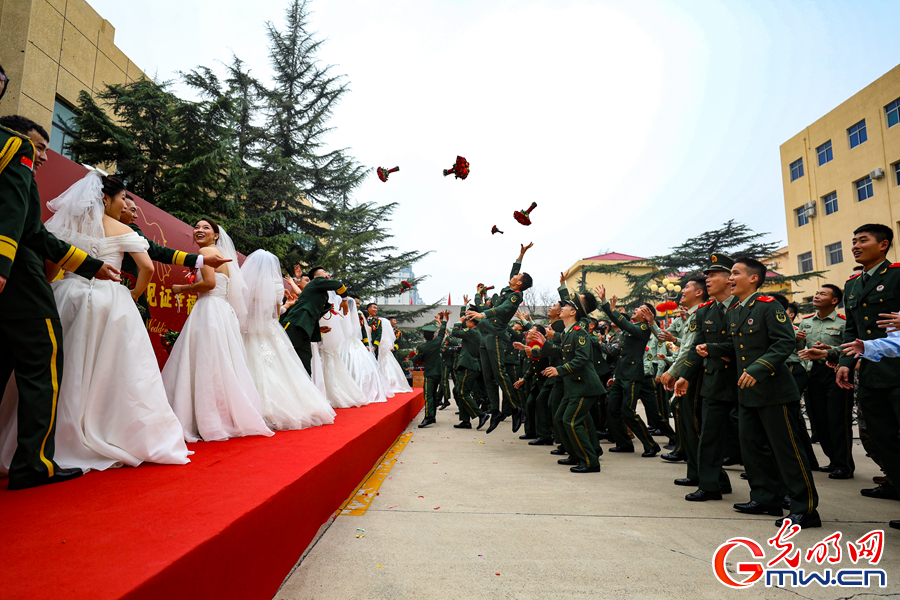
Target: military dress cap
[(719, 262), (430, 327)]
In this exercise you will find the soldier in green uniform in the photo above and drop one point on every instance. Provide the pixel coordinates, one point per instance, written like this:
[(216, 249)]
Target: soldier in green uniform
[(761, 340), (493, 327), (301, 321), (429, 354), (468, 371), (718, 388), (830, 408), (547, 399), (397, 334), (629, 377), (374, 325), (532, 382), (31, 338), (449, 348), (160, 254), (869, 296)]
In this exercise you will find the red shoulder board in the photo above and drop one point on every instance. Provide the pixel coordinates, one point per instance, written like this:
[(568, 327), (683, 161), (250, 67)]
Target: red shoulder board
[(809, 316), (857, 275), (706, 304), (894, 265), (842, 317), (577, 327), (766, 299)]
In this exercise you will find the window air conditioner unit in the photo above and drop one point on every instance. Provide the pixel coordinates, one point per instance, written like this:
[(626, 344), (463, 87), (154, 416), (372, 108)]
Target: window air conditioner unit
[(810, 208), (877, 174)]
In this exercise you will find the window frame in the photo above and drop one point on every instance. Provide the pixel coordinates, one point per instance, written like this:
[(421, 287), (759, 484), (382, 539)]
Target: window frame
[(797, 166), (828, 152), (830, 250), (801, 258), (864, 184), (801, 216), (892, 107), (855, 129), (830, 199)]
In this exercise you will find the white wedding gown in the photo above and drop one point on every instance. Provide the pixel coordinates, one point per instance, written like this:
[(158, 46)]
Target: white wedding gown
[(290, 399), (360, 361), (112, 407), (328, 368), (391, 371), (206, 377)]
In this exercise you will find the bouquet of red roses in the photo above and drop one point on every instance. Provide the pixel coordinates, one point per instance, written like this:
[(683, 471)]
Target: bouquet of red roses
[(495, 230), (460, 169), (523, 216), (384, 173), (168, 339)]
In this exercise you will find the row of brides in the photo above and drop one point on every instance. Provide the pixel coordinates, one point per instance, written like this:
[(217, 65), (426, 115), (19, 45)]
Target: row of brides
[(232, 372)]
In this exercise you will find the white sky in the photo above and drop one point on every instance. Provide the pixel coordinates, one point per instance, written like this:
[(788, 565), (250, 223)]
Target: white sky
[(633, 125)]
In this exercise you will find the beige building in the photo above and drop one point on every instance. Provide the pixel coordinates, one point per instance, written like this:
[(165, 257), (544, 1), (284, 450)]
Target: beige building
[(840, 172), (51, 50), (616, 284)]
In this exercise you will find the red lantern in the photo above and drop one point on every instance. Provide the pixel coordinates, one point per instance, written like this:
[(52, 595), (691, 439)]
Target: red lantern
[(495, 230), (383, 173), (523, 216), (460, 169)]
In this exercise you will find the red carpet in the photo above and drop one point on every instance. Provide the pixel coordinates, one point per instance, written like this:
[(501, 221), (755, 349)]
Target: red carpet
[(229, 525)]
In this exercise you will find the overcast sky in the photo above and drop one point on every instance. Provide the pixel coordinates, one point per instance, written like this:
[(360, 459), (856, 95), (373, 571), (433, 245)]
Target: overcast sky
[(634, 125)]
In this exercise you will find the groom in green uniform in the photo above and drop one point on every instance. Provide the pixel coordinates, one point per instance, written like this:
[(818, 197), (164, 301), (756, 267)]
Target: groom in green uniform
[(429, 353), (301, 321), (31, 341)]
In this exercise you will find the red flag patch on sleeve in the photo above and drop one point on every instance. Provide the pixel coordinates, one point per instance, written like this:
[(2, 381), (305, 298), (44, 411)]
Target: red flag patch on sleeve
[(28, 163)]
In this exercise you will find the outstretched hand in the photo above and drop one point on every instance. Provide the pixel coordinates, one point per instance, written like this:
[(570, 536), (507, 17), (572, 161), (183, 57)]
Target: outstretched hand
[(600, 293), (524, 249), (215, 261), (563, 276), (109, 273), (298, 272)]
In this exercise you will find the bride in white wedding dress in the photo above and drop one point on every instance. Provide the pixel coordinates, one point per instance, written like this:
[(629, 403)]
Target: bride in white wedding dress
[(290, 399), (112, 407), (360, 361), (206, 377), (391, 371), (328, 368)]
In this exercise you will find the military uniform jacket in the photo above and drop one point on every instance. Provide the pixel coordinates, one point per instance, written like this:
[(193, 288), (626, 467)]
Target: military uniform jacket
[(505, 306), (600, 364), (762, 339), (630, 366), (880, 294), (429, 353), (470, 340), (720, 377), (576, 368), (158, 253), (24, 241), (375, 326), (311, 305), (829, 330)]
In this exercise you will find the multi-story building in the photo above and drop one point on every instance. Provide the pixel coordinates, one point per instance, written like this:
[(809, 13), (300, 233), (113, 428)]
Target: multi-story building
[(616, 284), (408, 297), (840, 172), (51, 51)]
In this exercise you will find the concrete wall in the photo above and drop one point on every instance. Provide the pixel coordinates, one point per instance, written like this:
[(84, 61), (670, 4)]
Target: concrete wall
[(882, 150), (56, 48)]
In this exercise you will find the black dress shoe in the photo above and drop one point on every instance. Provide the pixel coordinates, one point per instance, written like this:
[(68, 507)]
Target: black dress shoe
[(686, 482), (463, 425), (496, 419), (58, 477), (672, 457), (654, 432), (826, 468), (803, 520), (755, 508), (669, 447), (517, 420), (651, 453), (883, 491), (703, 496), (426, 422), (728, 462), (744, 475), (558, 452), (541, 442), (786, 503), (527, 437), (620, 449), (567, 461), (483, 419), (444, 405), (895, 524), (840, 474), (583, 469)]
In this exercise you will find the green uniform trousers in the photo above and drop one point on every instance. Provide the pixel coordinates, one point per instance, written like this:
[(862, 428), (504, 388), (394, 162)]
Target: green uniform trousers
[(711, 447), (688, 423), (543, 418), (578, 429), (495, 375), (531, 397), (801, 378), (301, 343), (554, 400), (514, 372), (623, 397), (774, 458), (830, 409), (465, 400), (650, 400), (431, 385), (34, 349), (881, 407)]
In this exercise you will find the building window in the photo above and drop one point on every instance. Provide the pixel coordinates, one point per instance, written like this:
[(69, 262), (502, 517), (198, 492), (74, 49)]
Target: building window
[(864, 189), (831, 205), (804, 261), (64, 129), (897, 172), (824, 153), (834, 255), (892, 111), (797, 169), (857, 134), (802, 218)]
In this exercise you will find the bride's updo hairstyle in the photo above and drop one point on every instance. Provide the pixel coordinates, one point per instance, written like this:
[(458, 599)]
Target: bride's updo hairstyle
[(112, 185)]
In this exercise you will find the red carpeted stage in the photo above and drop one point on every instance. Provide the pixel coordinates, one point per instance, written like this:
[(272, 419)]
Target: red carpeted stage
[(229, 525)]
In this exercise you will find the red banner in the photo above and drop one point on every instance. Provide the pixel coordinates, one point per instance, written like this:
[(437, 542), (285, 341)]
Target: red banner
[(58, 173)]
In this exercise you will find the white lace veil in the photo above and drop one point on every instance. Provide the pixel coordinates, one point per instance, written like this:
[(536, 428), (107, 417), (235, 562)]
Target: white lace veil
[(78, 211), (236, 285), (263, 292), (387, 335)]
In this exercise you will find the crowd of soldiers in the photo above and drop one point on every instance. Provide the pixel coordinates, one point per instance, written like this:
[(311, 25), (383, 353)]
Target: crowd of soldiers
[(731, 368)]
